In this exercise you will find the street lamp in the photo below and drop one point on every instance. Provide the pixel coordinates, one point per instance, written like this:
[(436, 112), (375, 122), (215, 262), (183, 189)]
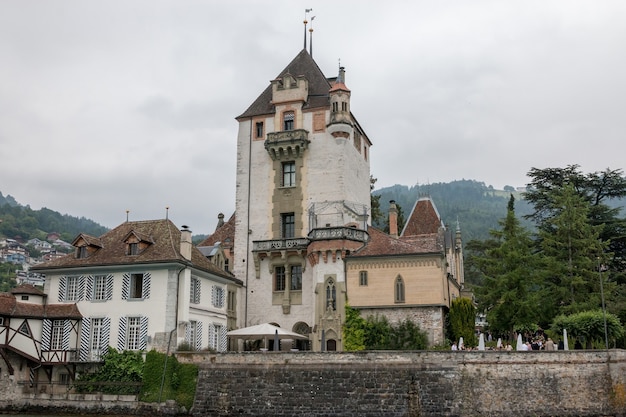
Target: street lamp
[(606, 332)]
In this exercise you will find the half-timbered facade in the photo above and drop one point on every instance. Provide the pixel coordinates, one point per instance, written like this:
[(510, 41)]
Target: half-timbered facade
[(38, 341)]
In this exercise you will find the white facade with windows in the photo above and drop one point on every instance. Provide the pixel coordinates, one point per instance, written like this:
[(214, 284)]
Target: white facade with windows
[(302, 201), (141, 286)]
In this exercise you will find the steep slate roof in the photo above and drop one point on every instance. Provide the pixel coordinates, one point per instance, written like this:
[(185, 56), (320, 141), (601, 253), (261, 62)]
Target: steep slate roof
[(422, 234), (224, 234), (302, 64), (424, 219), (9, 306), (166, 248)]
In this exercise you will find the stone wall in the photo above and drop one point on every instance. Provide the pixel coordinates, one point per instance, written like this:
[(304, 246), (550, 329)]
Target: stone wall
[(427, 383)]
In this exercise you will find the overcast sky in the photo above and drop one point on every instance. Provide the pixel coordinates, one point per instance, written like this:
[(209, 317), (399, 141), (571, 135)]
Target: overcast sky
[(108, 106)]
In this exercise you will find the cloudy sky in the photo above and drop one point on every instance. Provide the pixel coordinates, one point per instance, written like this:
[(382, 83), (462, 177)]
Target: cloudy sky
[(108, 106)]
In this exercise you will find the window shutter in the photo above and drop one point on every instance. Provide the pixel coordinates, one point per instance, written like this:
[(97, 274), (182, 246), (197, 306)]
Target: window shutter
[(109, 287), (213, 295), (196, 297), (89, 287), (81, 288), (46, 334), (106, 330), (222, 294), (223, 340), (85, 333), (121, 335), (212, 336), (62, 288), (143, 337), (198, 335), (145, 290), (125, 286)]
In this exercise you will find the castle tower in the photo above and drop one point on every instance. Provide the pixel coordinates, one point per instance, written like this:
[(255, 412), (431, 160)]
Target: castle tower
[(302, 202)]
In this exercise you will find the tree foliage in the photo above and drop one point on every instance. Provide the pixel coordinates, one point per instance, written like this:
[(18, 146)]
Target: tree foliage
[(120, 373), (579, 246), (376, 333), (511, 271), (588, 326), (462, 318)]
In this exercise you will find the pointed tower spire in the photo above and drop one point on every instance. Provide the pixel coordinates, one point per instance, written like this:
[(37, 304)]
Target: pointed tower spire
[(305, 23)]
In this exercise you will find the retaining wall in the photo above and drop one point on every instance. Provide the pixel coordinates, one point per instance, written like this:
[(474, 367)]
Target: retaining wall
[(425, 383)]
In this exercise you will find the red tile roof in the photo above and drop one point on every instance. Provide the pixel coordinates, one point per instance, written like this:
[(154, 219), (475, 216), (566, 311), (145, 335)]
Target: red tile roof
[(165, 248), (225, 234), (10, 307), (423, 220)]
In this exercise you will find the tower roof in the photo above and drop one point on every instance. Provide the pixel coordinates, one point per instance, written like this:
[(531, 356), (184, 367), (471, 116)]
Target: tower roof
[(303, 64), (423, 220)]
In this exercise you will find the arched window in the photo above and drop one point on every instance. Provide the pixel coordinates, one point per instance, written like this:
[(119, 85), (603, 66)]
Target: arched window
[(331, 295), (399, 290)]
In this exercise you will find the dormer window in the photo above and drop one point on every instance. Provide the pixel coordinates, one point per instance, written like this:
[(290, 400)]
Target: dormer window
[(137, 242), (81, 252), (133, 249)]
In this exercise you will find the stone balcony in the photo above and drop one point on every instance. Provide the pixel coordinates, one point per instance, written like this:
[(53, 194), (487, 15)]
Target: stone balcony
[(280, 244), (287, 144)]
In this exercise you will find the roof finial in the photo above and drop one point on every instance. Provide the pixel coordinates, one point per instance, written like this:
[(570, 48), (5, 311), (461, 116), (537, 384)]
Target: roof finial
[(311, 37), (305, 22)]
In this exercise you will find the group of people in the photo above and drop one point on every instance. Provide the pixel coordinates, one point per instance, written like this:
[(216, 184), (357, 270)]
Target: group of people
[(536, 341)]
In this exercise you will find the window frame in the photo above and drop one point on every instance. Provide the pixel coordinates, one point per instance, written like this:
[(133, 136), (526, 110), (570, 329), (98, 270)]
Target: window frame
[(295, 285), (288, 178), (133, 333), (289, 118), (363, 278), (135, 289), (259, 130), (399, 290), (57, 333), (288, 225), (280, 278)]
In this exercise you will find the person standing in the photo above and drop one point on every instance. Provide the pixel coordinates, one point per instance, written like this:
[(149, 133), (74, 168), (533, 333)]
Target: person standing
[(549, 345)]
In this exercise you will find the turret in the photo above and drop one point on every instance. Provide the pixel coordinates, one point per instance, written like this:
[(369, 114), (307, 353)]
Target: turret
[(340, 120)]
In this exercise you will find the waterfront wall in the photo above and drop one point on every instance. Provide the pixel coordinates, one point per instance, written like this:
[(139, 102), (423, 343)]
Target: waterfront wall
[(425, 383)]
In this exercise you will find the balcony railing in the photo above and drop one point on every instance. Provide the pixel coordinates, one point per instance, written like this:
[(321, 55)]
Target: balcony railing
[(287, 144), (329, 233), (279, 244)]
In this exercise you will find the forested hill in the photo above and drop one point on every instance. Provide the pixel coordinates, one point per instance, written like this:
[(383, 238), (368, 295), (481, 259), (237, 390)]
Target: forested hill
[(23, 223), (476, 206)]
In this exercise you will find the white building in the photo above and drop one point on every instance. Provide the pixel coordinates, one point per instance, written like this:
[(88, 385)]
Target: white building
[(302, 201), (140, 286)]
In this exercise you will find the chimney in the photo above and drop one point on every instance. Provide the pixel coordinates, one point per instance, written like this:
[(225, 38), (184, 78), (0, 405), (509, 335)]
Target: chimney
[(220, 221), (185, 243), (393, 219)]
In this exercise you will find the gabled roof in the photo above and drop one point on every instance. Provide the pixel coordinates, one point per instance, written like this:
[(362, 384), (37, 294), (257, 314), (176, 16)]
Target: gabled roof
[(423, 220), (10, 307), (224, 234), (89, 240), (166, 248), (28, 289), (303, 64)]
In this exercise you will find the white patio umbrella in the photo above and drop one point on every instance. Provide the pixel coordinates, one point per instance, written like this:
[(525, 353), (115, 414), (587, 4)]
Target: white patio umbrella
[(499, 344), (264, 331), (565, 342), (481, 342), (519, 342)]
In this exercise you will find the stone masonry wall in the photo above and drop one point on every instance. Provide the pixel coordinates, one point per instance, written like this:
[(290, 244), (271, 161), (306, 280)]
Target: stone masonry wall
[(425, 383)]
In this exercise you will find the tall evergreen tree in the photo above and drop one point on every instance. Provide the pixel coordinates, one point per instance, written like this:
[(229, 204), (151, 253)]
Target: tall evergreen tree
[(573, 247), (511, 293)]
